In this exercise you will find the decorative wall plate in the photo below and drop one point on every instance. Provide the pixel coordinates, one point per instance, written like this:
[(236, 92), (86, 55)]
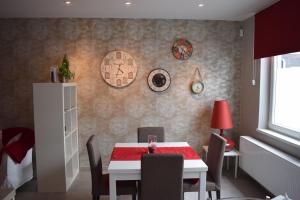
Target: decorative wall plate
[(182, 49), (159, 80), (118, 69)]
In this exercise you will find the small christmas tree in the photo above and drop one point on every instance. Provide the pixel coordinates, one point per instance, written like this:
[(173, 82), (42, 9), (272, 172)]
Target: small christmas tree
[(64, 70)]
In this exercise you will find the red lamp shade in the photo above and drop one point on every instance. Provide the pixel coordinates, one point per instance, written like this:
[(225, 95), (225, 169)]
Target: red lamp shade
[(221, 116), (221, 119)]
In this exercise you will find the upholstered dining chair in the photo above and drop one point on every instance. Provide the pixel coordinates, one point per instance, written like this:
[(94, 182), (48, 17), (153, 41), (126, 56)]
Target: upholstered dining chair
[(161, 177), (143, 133), (214, 162), (100, 181)]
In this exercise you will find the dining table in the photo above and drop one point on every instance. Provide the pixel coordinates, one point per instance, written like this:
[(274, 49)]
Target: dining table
[(125, 163)]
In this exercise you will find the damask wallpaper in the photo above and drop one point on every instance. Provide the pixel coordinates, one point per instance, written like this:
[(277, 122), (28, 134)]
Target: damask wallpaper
[(29, 47)]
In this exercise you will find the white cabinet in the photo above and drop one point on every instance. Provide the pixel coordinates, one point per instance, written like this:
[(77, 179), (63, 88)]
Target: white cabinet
[(56, 135)]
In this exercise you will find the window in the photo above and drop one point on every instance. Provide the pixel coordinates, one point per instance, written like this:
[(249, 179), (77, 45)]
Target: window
[(285, 95)]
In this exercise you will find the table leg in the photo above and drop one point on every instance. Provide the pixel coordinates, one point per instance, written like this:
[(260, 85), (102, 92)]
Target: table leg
[(202, 188), (236, 166), (112, 187), (228, 163)]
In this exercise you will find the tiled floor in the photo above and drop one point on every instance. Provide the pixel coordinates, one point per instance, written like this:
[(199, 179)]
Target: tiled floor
[(243, 186)]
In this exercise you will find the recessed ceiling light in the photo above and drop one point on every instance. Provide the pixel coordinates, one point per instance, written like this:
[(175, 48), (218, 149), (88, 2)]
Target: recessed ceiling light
[(128, 3), (68, 2), (200, 5)]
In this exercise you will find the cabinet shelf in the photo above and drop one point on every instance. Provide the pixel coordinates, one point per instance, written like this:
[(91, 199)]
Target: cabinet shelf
[(70, 118), (56, 135), (70, 109), (68, 134)]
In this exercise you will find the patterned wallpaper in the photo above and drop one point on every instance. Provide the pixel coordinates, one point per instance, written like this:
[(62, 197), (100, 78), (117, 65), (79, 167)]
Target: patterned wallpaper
[(28, 47)]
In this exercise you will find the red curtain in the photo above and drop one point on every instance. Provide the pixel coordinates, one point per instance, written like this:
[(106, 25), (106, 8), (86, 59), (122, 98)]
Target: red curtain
[(277, 29)]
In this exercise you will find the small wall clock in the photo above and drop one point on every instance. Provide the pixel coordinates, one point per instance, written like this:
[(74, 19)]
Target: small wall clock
[(159, 80), (197, 87), (118, 69), (182, 49), (197, 84)]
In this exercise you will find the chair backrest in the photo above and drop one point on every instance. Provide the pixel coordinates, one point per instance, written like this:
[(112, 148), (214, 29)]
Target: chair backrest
[(215, 157), (161, 176), (143, 133), (95, 163)]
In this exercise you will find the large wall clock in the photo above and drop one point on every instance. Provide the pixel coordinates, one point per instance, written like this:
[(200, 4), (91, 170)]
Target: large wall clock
[(118, 69), (159, 80), (182, 49)]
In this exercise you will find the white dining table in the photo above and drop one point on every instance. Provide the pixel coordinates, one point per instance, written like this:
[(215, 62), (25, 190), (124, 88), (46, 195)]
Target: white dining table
[(131, 169)]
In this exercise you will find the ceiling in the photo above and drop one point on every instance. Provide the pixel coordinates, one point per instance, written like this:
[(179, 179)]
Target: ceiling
[(236, 10)]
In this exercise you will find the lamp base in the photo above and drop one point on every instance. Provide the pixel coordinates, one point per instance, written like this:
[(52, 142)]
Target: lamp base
[(229, 143)]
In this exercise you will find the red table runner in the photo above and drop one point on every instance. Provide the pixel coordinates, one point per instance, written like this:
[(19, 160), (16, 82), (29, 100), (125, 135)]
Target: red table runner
[(135, 153)]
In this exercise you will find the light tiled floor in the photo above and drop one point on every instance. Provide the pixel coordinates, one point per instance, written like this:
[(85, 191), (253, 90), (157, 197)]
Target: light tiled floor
[(243, 186)]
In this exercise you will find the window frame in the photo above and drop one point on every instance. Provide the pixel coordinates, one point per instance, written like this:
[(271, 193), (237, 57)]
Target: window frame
[(275, 61)]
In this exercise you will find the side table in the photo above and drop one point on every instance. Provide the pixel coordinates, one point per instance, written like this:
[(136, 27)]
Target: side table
[(7, 194), (233, 153)]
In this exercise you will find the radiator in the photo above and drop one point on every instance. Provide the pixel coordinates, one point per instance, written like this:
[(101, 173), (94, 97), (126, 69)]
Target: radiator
[(277, 171)]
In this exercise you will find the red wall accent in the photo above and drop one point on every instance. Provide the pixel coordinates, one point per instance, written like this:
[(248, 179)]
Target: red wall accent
[(277, 29)]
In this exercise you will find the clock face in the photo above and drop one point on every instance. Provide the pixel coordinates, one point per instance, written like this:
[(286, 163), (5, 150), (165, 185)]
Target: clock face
[(159, 80), (197, 87), (182, 49), (118, 69)]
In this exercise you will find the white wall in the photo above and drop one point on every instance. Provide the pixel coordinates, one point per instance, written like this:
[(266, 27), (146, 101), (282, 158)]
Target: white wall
[(250, 94)]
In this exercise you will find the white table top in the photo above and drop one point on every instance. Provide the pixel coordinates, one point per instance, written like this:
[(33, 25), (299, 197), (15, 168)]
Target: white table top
[(134, 166), (158, 144)]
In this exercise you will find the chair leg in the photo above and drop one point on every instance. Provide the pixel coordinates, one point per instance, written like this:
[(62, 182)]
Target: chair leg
[(218, 194), (139, 189), (209, 195), (133, 196), (95, 197)]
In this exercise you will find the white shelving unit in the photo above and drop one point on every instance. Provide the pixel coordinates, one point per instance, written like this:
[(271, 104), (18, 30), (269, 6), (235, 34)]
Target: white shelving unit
[(56, 135)]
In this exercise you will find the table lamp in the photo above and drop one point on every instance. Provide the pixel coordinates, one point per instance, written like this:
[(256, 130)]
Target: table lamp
[(221, 119)]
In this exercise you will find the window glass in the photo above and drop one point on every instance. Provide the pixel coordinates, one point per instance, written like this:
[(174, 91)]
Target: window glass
[(285, 94)]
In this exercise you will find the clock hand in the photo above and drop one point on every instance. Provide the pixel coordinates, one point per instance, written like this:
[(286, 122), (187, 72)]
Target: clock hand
[(119, 68), (117, 64), (183, 50), (117, 74)]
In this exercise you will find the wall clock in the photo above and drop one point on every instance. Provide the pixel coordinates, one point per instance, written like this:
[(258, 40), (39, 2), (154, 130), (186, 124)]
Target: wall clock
[(159, 80), (197, 84), (197, 87), (118, 69), (182, 49)]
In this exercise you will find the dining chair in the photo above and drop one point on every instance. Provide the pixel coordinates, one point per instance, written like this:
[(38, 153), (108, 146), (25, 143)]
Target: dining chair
[(100, 181), (143, 133), (214, 162), (161, 177)]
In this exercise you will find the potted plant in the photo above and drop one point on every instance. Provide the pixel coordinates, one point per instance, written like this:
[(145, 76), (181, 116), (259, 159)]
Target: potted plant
[(64, 71)]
